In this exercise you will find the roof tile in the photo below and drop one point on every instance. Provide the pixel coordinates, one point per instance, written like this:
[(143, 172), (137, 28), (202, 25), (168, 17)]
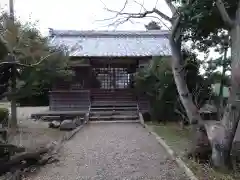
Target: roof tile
[(113, 43)]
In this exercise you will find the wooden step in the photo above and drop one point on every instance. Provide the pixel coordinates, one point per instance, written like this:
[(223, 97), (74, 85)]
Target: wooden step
[(112, 121), (113, 102), (112, 113), (111, 97), (99, 105), (134, 108), (112, 118)]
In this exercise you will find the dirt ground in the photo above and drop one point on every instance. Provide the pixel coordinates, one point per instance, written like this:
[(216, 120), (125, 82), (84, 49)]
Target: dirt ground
[(33, 134), (112, 151), (99, 151)]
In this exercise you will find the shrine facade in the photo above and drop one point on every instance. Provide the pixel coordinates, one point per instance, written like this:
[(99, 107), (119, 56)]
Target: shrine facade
[(104, 63)]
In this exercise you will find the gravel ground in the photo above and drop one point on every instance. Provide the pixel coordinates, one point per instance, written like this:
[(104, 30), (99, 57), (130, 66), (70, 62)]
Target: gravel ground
[(112, 151), (33, 134)]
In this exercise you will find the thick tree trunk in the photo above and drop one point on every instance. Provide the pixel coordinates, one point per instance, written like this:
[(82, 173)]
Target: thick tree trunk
[(220, 95), (222, 143), (179, 77), (219, 135), (200, 144)]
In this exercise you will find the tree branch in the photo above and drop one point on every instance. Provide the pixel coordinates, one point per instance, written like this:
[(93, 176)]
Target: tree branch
[(224, 14), (5, 43), (174, 30), (31, 65), (128, 16), (171, 6), (164, 16), (142, 15)]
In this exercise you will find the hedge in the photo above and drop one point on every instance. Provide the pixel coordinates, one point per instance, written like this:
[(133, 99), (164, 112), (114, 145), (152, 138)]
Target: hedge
[(4, 114)]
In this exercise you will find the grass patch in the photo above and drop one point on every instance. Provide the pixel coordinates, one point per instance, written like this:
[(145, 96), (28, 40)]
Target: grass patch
[(179, 140)]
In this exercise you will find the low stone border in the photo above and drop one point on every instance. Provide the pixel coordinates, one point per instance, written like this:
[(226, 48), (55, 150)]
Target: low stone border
[(173, 155), (69, 135)]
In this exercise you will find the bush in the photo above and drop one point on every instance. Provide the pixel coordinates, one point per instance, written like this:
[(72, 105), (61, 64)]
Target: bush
[(157, 81), (4, 113), (147, 116), (35, 100)]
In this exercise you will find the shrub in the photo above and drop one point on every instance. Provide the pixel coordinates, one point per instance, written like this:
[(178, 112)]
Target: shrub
[(4, 113), (157, 81)]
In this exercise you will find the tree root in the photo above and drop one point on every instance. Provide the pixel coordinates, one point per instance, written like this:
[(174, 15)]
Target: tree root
[(201, 149), (19, 163)]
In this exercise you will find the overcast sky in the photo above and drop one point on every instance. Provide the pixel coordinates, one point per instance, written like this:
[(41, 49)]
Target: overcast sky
[(80, 14), (84, 14)]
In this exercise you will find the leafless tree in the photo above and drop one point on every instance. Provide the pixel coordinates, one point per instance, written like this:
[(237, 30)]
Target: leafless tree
[(220, 135)]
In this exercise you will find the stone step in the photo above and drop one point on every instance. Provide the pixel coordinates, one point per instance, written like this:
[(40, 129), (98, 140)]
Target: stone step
[(63, 114), (113, 118), (50, 118)]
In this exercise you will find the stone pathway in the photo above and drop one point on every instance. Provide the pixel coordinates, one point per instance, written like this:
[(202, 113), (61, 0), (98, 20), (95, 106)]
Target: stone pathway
[(112, 151)]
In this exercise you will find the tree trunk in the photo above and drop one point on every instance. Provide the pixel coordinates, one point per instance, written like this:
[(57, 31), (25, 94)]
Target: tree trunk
[(219, 135), (197, 125), (222, 143), (13, 120), (220, 95), (179, 77)]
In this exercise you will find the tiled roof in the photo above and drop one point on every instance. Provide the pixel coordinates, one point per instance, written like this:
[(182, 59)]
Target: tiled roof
[(112, 43)]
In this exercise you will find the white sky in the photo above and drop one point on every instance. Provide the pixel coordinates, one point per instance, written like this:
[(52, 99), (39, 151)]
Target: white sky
[(83, 14), (79, 14)]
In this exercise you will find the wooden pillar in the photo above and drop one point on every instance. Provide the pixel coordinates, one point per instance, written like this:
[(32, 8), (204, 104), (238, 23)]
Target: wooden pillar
[(114, 78)]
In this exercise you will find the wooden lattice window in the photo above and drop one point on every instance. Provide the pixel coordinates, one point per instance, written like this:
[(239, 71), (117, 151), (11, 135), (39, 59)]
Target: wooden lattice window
[(113, 78), (122, 78)]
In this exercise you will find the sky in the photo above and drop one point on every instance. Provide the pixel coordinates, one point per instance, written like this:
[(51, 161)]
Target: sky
[(81, 14), (86, 14)]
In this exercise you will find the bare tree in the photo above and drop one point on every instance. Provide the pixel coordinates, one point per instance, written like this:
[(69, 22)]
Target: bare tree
[(220, 135)]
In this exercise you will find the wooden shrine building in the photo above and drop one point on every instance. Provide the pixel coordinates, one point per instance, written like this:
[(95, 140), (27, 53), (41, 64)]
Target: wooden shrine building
[(104, 63)]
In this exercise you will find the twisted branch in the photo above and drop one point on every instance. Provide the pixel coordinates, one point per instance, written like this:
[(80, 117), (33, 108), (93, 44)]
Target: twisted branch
[(30, 65), (128, 16)]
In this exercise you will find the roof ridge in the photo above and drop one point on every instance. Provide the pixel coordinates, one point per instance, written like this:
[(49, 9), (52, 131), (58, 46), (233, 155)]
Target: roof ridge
[(53, 32)]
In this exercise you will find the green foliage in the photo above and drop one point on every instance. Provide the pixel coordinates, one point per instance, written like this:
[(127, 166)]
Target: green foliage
[(5, 74), (157, 82), (153, 25), (4, 113), (30, 47), (201, 23), (214, 64), (217, 77)]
